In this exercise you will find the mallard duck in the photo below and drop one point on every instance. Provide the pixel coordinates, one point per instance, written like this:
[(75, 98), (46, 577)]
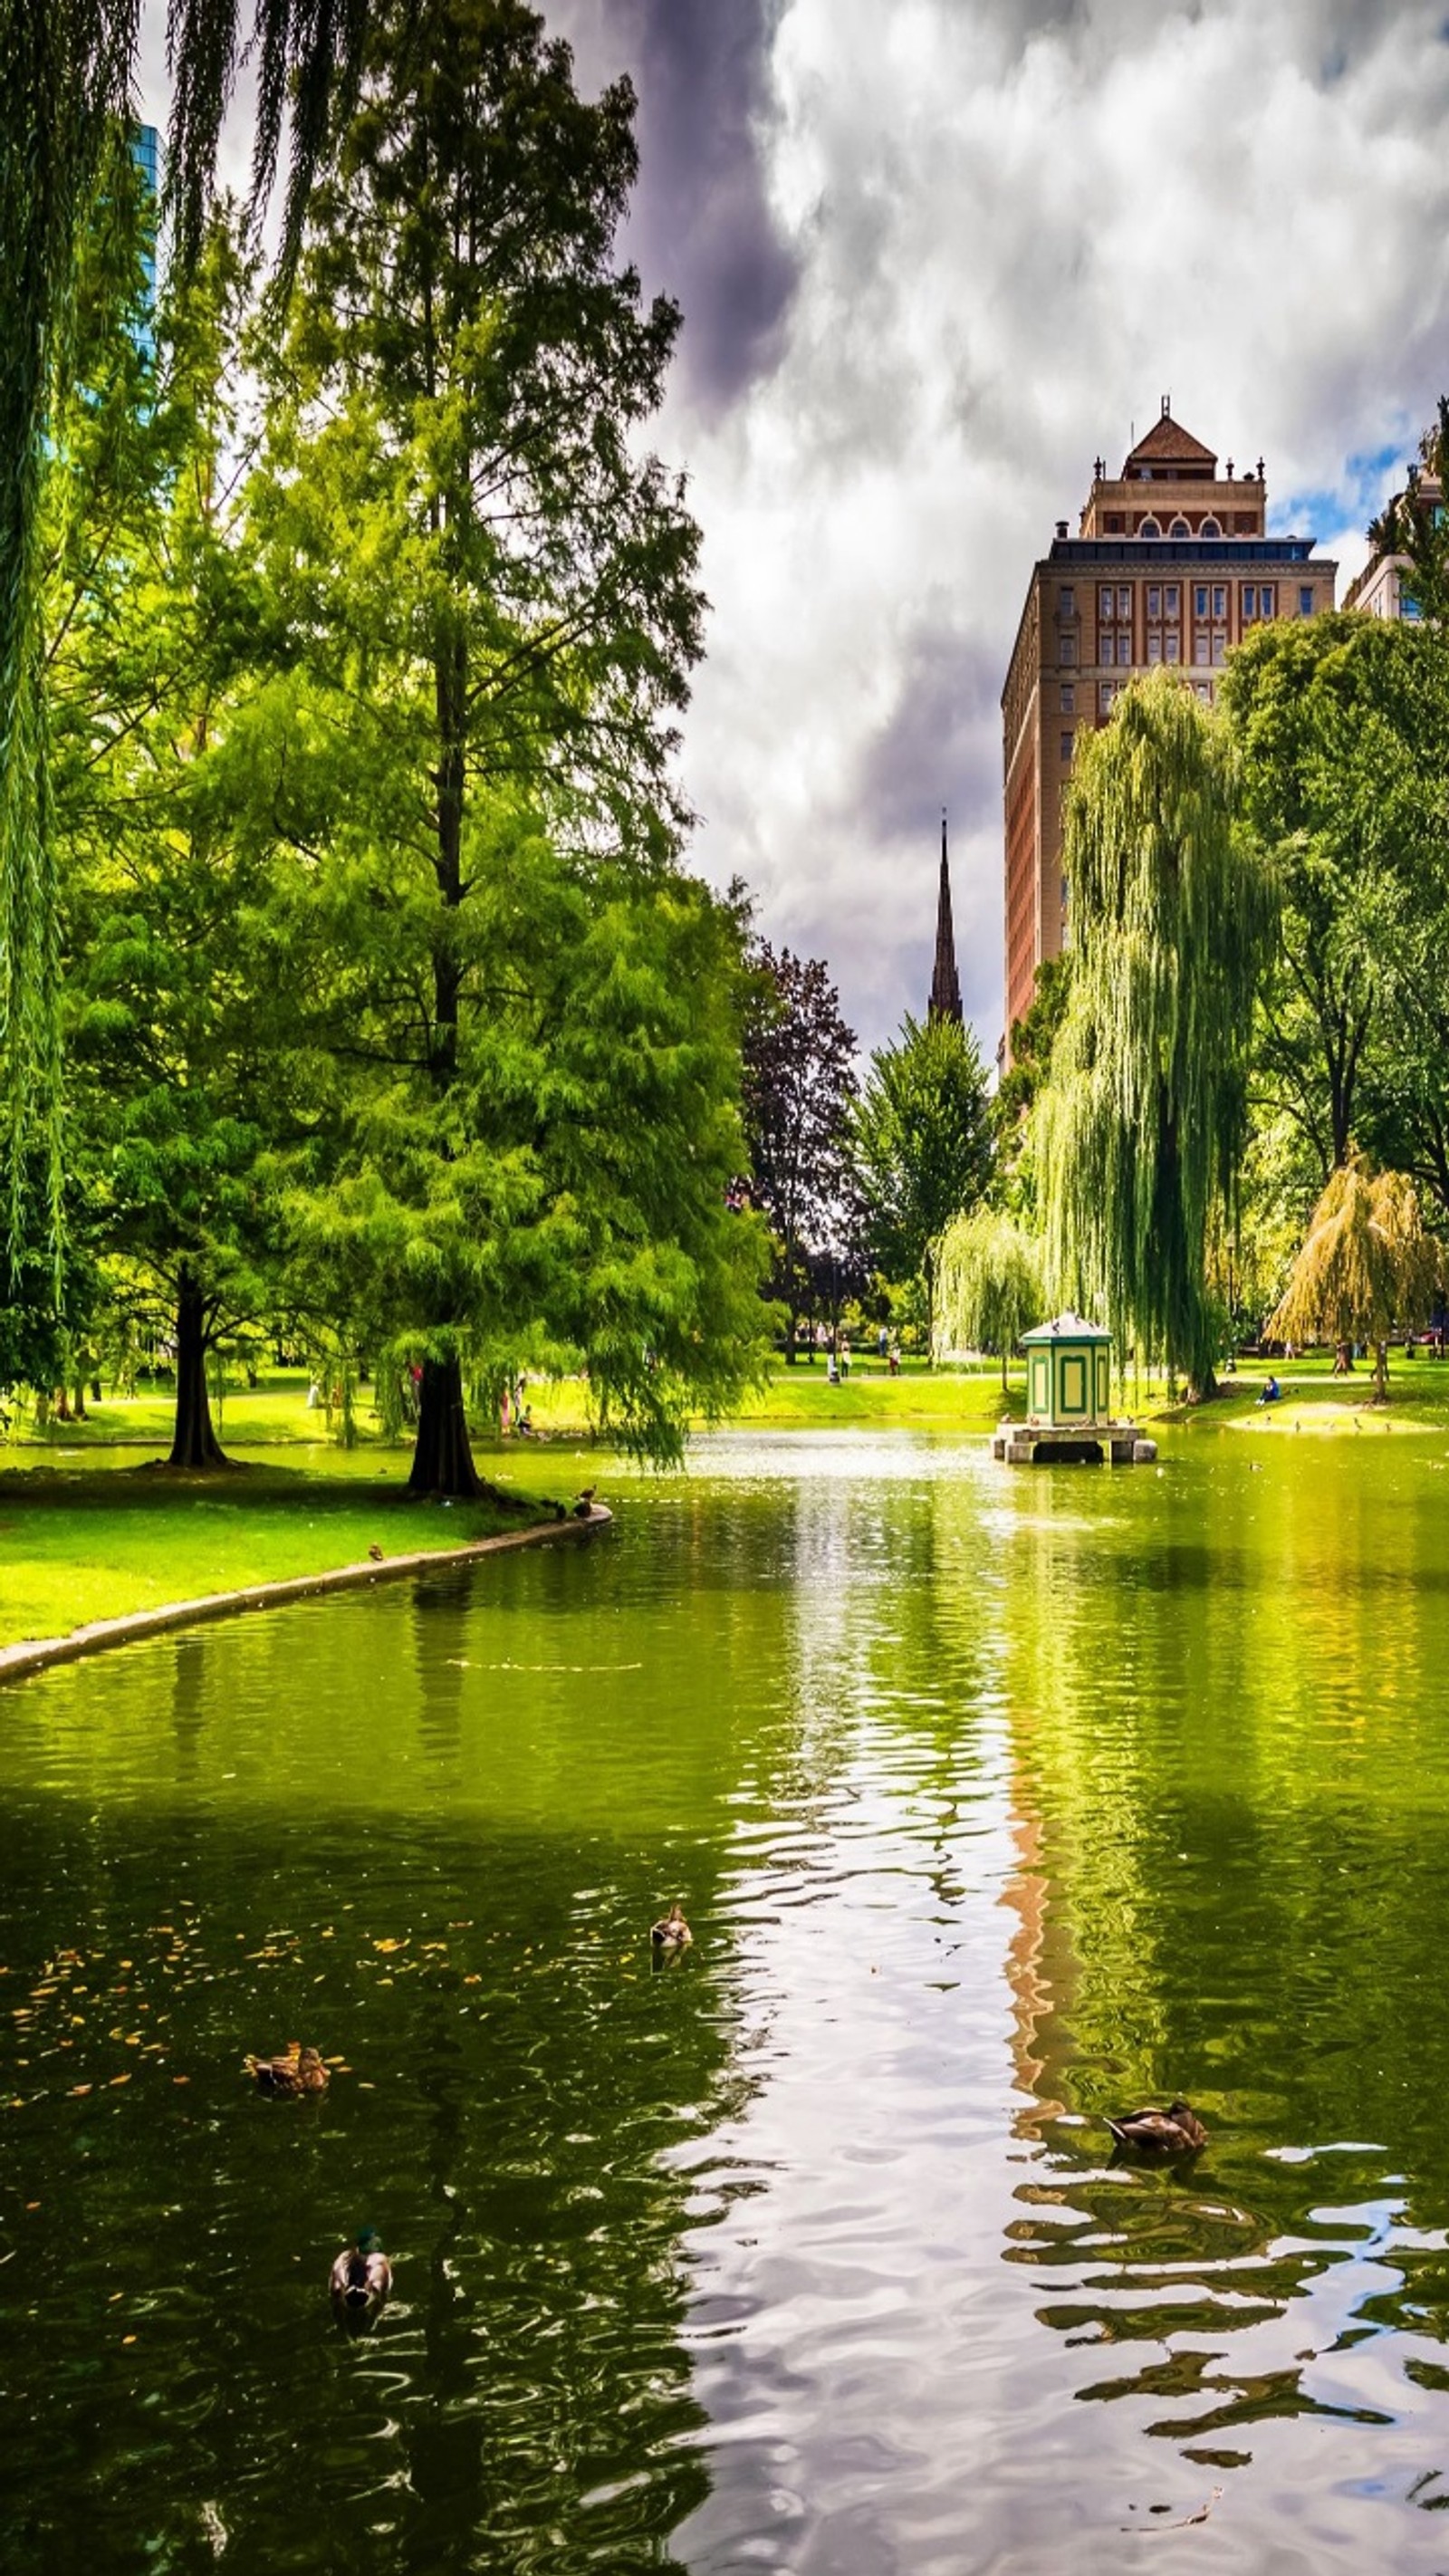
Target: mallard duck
[(671, 1932), (375, 1552), (1177, 2131), (361, 2277), (297, 2070)]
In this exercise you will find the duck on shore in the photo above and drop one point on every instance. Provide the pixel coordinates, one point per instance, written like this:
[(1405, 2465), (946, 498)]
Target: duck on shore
[(361, 2278), (1177, 2131), (671, 1932), (297, 2070)]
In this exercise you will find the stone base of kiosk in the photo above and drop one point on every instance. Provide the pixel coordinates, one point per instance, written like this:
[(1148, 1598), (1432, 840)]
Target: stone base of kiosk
[(1030, 1444)]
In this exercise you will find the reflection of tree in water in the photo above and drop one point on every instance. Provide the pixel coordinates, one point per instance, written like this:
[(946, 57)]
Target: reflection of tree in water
[(1226, 1888), (188, 1702), (441, 1626)]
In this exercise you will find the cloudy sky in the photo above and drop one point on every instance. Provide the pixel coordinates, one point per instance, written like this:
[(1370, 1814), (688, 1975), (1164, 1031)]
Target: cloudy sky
[(934, 256)]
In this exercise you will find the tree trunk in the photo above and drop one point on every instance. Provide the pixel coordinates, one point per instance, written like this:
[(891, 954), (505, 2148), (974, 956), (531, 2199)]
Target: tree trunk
[(1381, 1372), (442, 1452), (194, 1443)]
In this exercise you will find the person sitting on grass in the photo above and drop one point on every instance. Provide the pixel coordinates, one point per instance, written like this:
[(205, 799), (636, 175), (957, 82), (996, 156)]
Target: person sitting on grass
[(1271, 1392)]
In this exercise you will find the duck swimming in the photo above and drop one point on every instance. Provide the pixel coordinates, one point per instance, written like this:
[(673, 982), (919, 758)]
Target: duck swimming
[(361, 2278), (297, 2070), (671, 1932), (1177, 2131)]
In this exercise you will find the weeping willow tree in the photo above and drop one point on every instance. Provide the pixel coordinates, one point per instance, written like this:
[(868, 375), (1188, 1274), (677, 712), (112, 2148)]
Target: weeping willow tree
[(988, 1284), (66, 70), (1143, 1119), (1366, 1267)]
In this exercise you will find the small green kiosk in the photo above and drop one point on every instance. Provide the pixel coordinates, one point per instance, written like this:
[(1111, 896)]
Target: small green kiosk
[(1069, 1402), (1068, 1374)]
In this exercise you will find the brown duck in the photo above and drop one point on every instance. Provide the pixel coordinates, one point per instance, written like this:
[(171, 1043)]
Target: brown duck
[(671, 1932), (361, 2278), (1177, 2131), (297, 2070)]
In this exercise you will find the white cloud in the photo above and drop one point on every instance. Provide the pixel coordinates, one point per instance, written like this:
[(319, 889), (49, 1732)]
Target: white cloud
[(1012, 235)]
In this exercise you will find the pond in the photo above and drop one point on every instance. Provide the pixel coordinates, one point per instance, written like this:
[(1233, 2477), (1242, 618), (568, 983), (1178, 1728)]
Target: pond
[(998, 1800)]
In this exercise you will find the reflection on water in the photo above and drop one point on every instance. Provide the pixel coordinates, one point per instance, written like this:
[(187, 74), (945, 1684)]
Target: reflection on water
[(997, 1801)]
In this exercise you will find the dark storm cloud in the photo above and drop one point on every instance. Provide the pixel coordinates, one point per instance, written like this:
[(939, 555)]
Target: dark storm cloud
[(702, 228), (941, 742)]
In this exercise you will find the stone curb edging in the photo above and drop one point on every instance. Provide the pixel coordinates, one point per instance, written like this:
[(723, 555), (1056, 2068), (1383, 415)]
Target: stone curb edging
[(34, 1654)]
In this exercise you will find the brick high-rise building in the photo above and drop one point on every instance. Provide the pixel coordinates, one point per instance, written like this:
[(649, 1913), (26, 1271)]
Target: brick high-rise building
[(1171, 563)]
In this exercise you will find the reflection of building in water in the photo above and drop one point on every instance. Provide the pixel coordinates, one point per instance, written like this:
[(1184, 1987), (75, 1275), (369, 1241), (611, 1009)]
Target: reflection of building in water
[(1034, 1980)]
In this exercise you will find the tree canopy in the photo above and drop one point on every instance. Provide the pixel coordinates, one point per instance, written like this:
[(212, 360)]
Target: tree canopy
[(921, 1144), (989, 1287), (66, 74), (1366, 1266), (1143, 1123), (799, 1064)]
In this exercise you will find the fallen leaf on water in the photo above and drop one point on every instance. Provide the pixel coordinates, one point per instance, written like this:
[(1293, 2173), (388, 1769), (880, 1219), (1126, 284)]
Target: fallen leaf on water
[(75, 2088), (122, 2079)]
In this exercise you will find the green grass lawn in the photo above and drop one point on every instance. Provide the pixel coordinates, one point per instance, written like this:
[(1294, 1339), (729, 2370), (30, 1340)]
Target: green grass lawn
[(77, 1545)]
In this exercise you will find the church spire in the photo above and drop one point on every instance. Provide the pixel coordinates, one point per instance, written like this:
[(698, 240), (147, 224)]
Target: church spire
[(945, 1002)]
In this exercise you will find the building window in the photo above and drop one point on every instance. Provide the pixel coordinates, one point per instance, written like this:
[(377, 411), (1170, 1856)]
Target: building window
[(1066, 746), (1066, 601), (1220, 646), (1105, 602), (1105, 694), (1170, 600), (1199, 601), (1179, 528), (1069, 698), (1107, 647), (1220, 603), (1305, 602), (1174, 644), (1154, 645), (1149, 528), (1154, 600), (1124, 604), (1210, 528), (1203, 690), (1250, 602), (1114, 523), (1200, 645), (1067, 648)]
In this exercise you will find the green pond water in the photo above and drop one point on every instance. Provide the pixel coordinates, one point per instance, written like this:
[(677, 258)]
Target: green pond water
[(998, 1799)]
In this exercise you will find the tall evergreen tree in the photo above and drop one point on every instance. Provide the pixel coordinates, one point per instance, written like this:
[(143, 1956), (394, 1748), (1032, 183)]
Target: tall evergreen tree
[(921, 1145), (1143, 1121), (486, 609)]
